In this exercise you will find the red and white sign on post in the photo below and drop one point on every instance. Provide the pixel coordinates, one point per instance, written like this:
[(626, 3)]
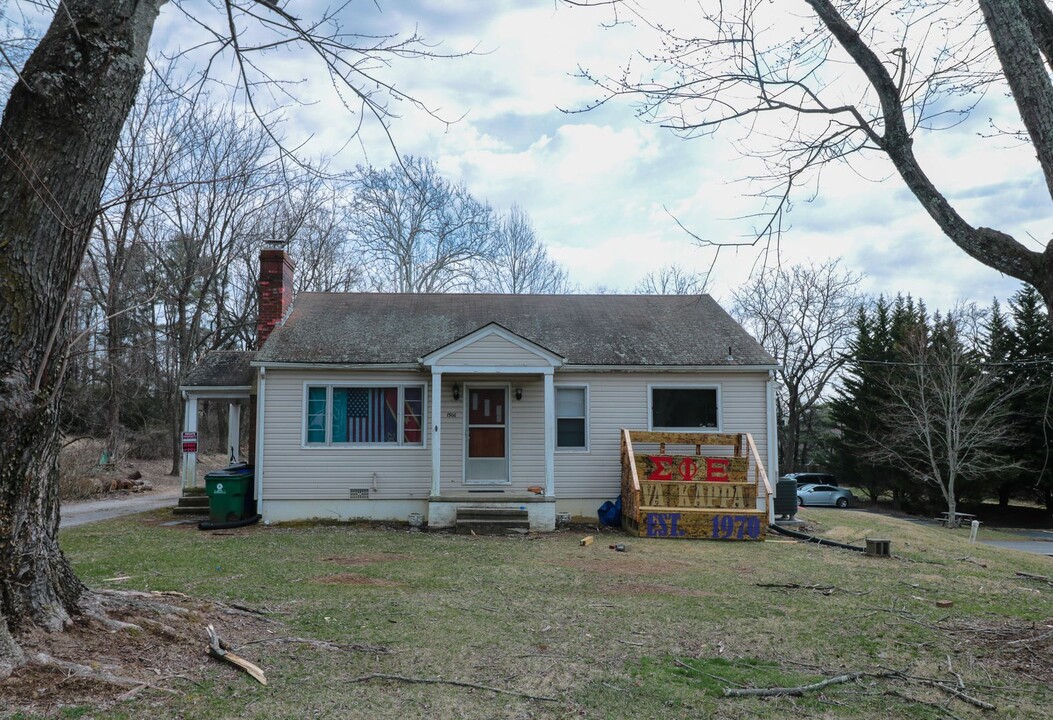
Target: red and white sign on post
[(190, 442)]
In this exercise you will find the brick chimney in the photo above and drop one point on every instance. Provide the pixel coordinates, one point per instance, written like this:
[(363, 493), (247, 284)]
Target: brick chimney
[(275, 290)]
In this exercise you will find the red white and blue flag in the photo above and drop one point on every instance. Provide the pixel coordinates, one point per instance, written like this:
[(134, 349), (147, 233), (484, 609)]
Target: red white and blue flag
[(371, 414)]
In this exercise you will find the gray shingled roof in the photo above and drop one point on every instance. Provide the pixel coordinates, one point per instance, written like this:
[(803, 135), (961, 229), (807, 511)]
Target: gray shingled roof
[(584, 329), (222, 368)]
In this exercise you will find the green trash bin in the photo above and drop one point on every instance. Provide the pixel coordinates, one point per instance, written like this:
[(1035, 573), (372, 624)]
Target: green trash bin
[(230, 494)]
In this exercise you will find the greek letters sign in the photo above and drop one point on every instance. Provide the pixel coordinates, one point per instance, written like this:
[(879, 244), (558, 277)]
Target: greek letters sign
[(688, 468), (190, 442)]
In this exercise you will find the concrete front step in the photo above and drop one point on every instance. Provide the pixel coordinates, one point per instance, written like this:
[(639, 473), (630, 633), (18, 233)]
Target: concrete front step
[(491, 520), (481, 513), (193, 501), (190, 510)]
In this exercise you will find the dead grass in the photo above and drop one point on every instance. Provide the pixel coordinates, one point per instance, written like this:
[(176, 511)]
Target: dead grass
[(605, 633)]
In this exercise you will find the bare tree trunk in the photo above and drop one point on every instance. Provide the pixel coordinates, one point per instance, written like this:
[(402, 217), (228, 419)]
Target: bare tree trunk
[(57, 137)]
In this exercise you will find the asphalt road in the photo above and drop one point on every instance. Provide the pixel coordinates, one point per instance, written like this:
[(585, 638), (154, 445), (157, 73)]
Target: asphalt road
[(80, 513), (1033, 541)]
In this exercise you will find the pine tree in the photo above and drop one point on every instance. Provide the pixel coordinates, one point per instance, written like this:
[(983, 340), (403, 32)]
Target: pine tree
[(1031, 351)]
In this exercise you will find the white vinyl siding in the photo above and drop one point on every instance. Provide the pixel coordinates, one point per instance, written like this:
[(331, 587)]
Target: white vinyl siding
[(615, 400), (493, 351), (294, 472), (620, 400)]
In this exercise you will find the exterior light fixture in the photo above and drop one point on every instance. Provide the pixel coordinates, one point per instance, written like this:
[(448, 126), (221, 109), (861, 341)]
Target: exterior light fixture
[(519, 393), (456, 391)]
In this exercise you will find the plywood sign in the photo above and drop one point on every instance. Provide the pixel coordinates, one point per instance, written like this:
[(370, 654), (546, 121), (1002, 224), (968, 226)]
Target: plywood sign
[(698, 494), (717, 526), (688, 468)]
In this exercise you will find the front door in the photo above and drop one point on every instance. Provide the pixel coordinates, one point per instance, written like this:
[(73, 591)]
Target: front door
[(486, 441)]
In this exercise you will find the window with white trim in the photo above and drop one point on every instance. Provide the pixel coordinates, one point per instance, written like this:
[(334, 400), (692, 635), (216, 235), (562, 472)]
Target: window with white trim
[(685, 408), (571, 418), (364, 415)]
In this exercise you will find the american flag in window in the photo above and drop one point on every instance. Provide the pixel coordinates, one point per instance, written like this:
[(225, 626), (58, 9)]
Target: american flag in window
[(365, 415)]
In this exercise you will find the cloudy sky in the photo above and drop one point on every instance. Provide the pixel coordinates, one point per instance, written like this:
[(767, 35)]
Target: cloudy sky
[(602, 186)]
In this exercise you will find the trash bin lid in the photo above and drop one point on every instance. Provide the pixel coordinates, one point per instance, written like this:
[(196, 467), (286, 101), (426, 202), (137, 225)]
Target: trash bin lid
[(244, 471)]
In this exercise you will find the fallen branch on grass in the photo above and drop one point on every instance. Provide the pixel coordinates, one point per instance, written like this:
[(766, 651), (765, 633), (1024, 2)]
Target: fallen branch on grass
[(456, 683), (1028, 641), (824, 589), (975, 702), (218, 649), (850, 677), (1032, 576), (796, 691)]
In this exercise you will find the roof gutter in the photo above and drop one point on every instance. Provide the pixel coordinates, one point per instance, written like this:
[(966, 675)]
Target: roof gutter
[(568, 368), (335, 366), (670, 368)]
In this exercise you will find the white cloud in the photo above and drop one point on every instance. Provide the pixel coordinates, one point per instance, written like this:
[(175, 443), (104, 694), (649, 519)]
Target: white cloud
[(601, 186)]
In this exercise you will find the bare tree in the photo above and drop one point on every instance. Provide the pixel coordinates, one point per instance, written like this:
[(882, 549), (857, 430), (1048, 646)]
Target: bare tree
[(417, 231), (58, 134), (218, 190), (837, 79), (805, 317), (947, 418), (310, 218), (672, 280), (115, 274), (519, 262)]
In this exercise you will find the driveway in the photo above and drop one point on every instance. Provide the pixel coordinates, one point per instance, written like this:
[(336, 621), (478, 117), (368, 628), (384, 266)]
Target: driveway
[(80, 513), (1033, 541)]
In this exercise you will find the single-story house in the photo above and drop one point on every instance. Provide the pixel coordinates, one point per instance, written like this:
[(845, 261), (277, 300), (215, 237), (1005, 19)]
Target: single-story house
[(379, 405)]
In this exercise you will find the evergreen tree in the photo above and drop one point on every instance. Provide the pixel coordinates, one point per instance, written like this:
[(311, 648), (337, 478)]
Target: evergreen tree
[(1000, 347), (1030, 352)]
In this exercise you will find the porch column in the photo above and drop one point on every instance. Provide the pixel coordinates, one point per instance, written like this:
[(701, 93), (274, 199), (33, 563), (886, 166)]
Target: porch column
[(234, 431), (190, 426), (550, 434), (436, 422)]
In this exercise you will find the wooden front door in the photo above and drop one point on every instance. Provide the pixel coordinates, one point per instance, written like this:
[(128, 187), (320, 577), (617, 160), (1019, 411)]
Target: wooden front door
[(486, 436)]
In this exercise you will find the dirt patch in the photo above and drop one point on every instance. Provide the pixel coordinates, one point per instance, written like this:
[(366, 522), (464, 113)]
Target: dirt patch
[(167, 656), (1023, 648), (355, 560), (354, 579)]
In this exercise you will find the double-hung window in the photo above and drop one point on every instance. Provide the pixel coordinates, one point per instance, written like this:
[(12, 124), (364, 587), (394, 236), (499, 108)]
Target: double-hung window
[(365, 415), (572, 427), (685, 408)]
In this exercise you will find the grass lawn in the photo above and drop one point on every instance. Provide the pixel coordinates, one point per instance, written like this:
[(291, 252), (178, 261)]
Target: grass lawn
[(657, 631)]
